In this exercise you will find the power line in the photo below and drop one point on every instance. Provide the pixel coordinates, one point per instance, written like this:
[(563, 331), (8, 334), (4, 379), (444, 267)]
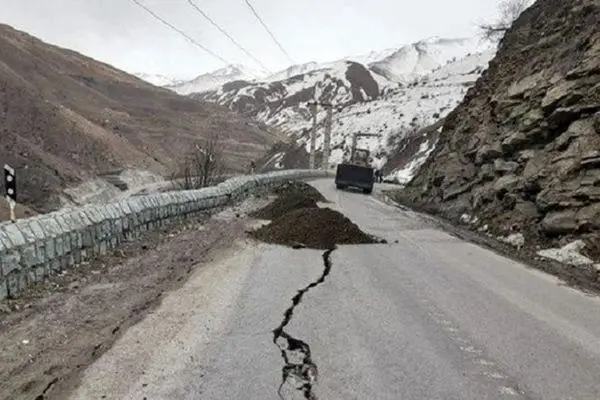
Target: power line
[(180, 32), (268, 30), (224, 32)]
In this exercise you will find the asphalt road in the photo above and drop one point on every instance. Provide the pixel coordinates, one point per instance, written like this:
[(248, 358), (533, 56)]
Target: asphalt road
[(428, 317)]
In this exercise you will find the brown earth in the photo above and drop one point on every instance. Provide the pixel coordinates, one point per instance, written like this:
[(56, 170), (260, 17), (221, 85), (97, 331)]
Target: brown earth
[(291, 156), (65, 118), (21, 211), (56, 329), (299, 188), (292, 195), (316, 228), (522, 151), (283, 205)]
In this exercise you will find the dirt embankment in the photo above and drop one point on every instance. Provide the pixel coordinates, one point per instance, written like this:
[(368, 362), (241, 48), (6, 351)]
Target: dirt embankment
[(66, 118)]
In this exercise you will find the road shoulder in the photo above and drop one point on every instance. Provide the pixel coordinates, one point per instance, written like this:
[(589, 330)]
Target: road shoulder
[(54, 331)]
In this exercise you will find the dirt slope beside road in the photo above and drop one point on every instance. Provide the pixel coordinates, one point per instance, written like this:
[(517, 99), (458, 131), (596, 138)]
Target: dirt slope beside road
[(65, 118)]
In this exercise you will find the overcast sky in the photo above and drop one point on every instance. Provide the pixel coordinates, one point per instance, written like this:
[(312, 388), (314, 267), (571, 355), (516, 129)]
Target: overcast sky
[(124, 35)]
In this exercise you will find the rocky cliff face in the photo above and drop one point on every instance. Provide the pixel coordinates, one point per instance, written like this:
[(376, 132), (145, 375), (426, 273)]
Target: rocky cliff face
[(522, 151)]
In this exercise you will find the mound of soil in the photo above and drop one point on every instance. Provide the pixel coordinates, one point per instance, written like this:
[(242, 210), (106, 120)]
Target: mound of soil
[(299, 189), (283, 205), (316, 228)]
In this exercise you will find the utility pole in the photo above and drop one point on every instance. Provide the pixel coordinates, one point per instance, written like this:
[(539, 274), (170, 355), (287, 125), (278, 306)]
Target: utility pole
[(327, 138), (313, 104), (313, 135)]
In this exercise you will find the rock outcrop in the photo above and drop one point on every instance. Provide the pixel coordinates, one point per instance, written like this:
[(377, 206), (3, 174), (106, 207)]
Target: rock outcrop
[(522, 151)]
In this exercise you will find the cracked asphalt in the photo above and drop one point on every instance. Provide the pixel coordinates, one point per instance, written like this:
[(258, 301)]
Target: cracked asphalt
[(427, 316)]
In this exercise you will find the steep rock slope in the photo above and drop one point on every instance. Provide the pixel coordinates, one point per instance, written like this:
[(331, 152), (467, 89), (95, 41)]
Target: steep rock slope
[(522, 151), (65, 118), (364, 102)]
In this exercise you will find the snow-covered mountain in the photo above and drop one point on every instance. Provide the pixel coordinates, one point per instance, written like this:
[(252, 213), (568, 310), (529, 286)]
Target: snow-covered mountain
[(292, 71), (394, 93), (418, 59), (157, 79), (215, 79), (365, 101)]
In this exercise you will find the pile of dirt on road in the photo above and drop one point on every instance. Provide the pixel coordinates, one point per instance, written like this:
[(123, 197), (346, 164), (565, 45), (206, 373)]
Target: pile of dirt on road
[(283, 205), (299, 188), (317, 228)]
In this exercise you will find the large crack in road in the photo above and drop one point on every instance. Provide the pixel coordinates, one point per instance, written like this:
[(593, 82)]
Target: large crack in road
[(299, 367)]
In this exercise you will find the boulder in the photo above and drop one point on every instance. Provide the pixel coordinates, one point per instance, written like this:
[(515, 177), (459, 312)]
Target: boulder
[(527, 209), (482, 196), (557, 197), (591, 159), (521, 88), (596, 123), (488, 152), (588, 218), (559, 223), (531, 119), (507, 183), (513, 142), (505, 167), (558, 93)]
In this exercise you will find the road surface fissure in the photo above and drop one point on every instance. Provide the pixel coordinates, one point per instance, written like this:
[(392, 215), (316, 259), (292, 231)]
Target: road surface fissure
[(304, 371)]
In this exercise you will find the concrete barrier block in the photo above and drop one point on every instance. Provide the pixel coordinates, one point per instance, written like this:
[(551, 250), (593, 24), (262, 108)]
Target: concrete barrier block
[(16, 282), (28, 256), (26, 231), (113, 211), (10, 262), (13, 234), (124, 206), (66, 232), (3, 288), (133, 204)]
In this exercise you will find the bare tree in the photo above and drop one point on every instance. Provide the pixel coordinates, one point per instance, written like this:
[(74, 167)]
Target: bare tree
[(202, 166), (510, 10)]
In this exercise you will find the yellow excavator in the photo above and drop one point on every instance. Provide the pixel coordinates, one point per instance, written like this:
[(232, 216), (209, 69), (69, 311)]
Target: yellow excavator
[(356, 172)]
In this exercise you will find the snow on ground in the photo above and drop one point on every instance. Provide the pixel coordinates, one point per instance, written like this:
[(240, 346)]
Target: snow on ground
[(157, 79), (215, 79), (569, 254), (292, 71), (405, 174)]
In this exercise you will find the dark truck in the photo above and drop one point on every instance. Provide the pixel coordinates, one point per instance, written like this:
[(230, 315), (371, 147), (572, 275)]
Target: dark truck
[(353, 175), (357, 172)]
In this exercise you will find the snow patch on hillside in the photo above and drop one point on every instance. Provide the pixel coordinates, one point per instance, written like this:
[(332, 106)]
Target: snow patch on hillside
[(215, 79), (157, 79), (419, 59)]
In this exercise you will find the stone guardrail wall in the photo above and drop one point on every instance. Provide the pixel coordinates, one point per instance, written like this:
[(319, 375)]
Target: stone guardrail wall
[(36, 247)]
